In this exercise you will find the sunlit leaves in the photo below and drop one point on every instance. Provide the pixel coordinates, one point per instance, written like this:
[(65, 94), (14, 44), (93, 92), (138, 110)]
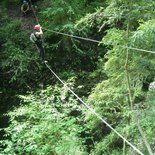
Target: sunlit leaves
[(41, 127)]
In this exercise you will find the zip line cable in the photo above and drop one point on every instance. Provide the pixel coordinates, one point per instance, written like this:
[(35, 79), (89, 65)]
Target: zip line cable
[(137, 49), (93, 111), (97, 41), (73, 36)]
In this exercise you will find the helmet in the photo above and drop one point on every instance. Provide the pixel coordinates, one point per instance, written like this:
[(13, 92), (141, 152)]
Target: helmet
[(37, 27)]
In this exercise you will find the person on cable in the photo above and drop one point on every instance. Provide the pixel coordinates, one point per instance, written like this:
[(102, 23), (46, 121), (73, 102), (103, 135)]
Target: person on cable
[(25, 6), (36, 38)]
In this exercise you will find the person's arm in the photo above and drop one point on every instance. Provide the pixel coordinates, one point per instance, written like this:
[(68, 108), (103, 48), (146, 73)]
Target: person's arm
[(41, 31)]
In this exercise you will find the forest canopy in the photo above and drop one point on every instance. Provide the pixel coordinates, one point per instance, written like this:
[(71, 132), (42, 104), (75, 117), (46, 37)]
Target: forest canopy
[(109, 65)]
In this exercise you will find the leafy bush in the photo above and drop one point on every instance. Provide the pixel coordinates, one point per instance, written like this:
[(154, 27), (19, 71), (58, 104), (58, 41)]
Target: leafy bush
[(43, 125)]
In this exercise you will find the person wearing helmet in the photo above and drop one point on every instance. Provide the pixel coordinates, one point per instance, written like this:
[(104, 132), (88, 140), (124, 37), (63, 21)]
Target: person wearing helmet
[(25, 6), (36, 38)]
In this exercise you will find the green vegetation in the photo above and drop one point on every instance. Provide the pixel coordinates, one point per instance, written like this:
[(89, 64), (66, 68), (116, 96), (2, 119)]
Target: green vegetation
[(39, 116)]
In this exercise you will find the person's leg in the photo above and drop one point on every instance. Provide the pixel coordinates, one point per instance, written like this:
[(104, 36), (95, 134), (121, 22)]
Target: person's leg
[(41, 51)]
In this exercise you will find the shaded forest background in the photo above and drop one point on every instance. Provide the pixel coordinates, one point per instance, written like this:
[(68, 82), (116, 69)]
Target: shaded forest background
[(39, 116)]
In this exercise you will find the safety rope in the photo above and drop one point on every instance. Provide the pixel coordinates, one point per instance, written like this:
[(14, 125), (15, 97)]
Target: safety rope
[(93, 111)]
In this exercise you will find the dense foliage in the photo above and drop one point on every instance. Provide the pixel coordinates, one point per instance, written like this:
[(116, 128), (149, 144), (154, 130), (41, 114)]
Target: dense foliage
[(39, 116)]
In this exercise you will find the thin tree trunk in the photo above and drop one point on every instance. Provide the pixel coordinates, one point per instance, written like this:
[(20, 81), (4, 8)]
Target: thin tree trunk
[(132, 107), (130, 92)]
